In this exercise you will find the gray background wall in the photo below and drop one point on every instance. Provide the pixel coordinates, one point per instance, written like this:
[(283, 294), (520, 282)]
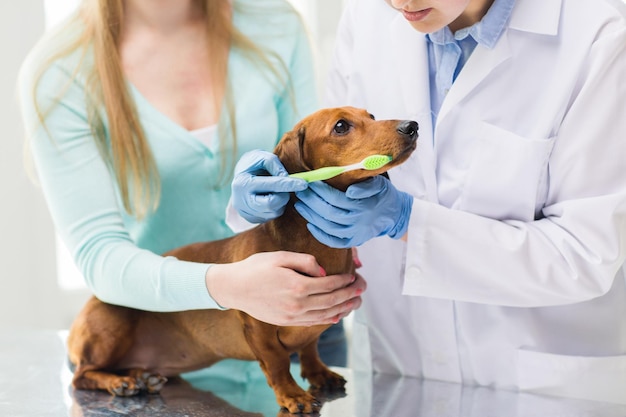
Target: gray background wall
[(29, 295)]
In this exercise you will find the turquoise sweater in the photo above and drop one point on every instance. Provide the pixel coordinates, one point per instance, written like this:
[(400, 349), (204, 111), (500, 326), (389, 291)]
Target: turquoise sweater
[(117, 254)]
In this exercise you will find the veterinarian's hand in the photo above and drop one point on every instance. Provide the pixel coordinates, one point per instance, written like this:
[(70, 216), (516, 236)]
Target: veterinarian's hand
[(366, 210), (285, 289), (257, 196)]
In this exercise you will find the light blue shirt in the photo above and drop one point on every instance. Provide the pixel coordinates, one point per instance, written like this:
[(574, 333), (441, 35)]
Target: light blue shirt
[(119, 254), (448, 52)]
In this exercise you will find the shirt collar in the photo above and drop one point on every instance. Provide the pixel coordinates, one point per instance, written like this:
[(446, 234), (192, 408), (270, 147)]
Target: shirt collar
[(486, 32)]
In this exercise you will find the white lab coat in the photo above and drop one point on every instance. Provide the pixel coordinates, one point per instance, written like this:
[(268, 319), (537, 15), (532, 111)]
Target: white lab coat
[(512, 276)]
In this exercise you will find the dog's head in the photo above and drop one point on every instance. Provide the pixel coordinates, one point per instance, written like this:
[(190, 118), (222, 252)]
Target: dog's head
[(343, 136)]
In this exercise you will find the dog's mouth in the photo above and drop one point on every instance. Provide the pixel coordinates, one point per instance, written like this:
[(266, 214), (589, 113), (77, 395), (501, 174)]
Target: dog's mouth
[(405, 153)]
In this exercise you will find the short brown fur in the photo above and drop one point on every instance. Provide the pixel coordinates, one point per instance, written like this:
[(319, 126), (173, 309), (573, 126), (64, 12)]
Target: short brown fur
[(127, 351)]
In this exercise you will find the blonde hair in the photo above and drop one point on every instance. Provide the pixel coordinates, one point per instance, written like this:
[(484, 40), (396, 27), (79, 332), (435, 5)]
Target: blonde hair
[(128, 153)]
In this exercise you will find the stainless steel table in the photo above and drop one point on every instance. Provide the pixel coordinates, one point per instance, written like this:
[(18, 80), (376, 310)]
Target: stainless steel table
[(35, 381)]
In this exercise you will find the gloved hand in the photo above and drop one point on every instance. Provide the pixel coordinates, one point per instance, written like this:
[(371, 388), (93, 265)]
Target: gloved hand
[(257, 196), (366, 210)]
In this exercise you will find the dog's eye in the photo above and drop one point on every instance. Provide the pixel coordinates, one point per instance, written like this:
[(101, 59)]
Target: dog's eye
[(341, 127)]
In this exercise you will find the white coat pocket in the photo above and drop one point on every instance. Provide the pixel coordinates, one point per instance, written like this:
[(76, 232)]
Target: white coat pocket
[(507, 179), (600, 378)]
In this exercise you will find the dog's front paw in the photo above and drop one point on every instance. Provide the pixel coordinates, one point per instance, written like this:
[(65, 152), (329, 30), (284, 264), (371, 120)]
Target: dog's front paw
[(303, 403), (326, 380)]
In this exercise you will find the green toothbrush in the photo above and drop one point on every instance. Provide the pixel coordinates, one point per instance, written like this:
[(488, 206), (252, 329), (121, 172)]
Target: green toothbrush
[(370, 163)]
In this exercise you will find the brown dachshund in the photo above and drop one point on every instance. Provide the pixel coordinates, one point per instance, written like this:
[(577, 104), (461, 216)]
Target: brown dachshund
[(126, 351)]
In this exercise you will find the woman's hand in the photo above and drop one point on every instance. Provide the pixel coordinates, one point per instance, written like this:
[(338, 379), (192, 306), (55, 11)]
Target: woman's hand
[(285, 289)]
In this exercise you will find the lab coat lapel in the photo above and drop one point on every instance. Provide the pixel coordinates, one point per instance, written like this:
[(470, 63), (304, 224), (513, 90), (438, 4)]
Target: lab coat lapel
[(483, 61), (478, 67), (412, 55)]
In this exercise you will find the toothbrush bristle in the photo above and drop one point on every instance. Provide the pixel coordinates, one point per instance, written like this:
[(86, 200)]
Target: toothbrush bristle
[(376, 161)]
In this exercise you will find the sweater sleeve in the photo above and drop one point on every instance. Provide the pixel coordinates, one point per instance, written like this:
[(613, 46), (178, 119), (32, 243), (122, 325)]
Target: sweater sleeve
[(82, 198)]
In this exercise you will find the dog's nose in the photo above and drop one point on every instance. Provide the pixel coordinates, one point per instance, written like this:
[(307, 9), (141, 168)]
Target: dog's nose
[(408, 128)]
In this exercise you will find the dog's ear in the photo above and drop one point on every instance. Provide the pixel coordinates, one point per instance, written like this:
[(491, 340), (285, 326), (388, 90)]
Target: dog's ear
[(290, 150)]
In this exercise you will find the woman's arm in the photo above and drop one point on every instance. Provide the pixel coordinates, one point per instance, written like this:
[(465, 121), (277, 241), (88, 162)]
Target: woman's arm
[(83, 201)]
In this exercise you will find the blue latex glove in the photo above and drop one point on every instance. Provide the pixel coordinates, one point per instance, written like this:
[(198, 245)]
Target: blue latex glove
[(366, 210), (257, 196)]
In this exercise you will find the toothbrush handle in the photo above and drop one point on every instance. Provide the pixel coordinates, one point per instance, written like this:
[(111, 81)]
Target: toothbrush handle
[(319, 174)]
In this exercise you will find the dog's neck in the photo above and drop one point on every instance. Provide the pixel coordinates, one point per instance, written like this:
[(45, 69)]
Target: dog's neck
[(291, 231)]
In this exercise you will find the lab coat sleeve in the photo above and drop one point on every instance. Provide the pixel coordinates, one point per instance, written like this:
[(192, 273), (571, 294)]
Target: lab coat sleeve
[(574, 251), (82, 198)]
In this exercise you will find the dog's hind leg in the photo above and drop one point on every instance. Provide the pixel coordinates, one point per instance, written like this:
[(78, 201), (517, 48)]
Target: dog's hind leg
[(121, 386), (100, 337), (316, 372), (128, 384), (152, 382)]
